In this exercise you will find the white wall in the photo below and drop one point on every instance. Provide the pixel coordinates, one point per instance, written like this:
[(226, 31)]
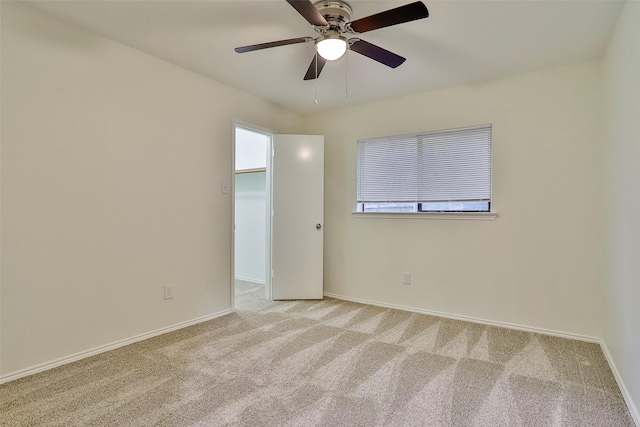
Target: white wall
[(251, 226), (111, 169), (538, 264), (622, 222)]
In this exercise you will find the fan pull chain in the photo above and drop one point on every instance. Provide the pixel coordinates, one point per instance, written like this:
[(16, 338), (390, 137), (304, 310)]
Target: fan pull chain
[(316, 82), (346, 74)]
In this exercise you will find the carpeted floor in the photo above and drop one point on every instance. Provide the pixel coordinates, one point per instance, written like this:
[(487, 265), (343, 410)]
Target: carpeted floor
[(326, 363)]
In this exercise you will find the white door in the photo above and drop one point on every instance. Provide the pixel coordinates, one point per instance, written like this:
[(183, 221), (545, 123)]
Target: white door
[(298, 210)]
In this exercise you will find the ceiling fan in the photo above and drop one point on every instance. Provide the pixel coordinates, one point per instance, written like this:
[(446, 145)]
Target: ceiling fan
[(331, 19)]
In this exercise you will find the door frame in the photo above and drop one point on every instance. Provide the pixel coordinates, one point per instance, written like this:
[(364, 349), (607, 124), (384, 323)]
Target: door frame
[(268, 208)]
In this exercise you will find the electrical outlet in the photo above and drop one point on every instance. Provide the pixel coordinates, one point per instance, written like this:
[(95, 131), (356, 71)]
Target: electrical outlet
[(168, 292), (406, 278)]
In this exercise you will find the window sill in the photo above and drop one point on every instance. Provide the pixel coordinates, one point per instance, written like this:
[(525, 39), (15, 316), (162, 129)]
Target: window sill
[(478, 216)]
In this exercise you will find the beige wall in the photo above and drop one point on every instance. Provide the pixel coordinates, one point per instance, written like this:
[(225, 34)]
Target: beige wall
[(111, 168), (537, 265), (622, 222)]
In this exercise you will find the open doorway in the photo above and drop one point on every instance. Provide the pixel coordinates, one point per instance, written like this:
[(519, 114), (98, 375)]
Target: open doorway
[(252, 220)]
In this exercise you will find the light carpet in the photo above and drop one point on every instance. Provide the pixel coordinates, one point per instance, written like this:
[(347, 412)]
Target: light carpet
[(326, 363)]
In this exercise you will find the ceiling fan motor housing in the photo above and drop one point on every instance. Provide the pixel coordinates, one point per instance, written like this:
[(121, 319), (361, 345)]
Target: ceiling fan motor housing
[(336, 12)]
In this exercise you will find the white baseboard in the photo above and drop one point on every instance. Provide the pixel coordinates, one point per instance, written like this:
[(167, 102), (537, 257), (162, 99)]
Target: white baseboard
[(246, 279), (107, 347), (623, 388), (468, 318)]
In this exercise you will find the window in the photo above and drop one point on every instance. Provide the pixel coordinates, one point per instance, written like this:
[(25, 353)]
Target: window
[(442, 171)]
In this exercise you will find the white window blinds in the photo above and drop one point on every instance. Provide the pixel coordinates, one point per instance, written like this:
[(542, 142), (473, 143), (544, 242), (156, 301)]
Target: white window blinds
[(441, 166)]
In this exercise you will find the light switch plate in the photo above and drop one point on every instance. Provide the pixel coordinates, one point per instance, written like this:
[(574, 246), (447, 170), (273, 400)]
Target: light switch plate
[(406, 278)]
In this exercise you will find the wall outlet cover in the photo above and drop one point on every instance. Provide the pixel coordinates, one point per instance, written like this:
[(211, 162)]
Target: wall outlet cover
[(168, 292)]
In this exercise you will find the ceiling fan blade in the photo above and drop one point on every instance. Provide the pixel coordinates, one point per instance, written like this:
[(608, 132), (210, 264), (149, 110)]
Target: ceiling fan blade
[(309, 12), (253, 47), (311, 72), (377, 53), (399, 15)]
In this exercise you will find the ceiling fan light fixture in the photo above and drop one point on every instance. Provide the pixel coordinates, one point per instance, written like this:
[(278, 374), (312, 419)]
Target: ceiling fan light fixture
[(331, 47), (332, 20)]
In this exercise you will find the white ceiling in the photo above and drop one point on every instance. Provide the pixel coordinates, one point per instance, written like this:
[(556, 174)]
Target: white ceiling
[(461, 42)]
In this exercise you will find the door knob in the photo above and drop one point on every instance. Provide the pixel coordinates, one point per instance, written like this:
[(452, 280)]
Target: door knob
[(318, 226)]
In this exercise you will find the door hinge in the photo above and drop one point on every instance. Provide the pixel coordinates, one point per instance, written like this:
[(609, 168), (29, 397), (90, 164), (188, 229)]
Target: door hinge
[(272, 275)]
